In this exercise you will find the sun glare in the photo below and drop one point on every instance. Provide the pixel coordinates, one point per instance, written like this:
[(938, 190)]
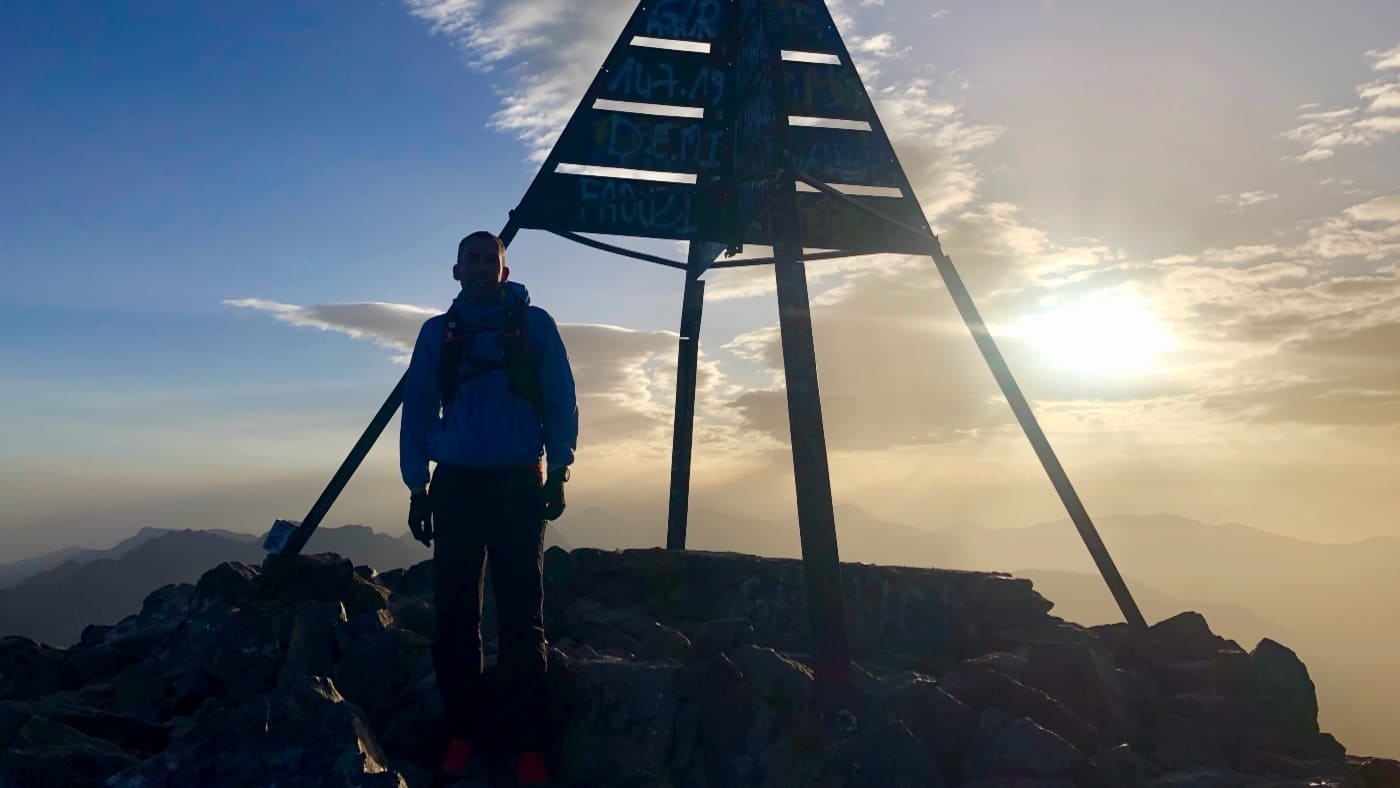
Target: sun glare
[(1110, 333)]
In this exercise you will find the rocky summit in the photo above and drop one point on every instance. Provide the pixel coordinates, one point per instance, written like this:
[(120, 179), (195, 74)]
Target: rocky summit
[(682, 669)]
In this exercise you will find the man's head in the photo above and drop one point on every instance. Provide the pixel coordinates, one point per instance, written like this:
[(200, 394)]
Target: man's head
[(481, 266)]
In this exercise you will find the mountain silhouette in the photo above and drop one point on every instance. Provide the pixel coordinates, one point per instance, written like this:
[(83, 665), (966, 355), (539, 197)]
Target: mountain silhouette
[(54, 606), (16, 572)]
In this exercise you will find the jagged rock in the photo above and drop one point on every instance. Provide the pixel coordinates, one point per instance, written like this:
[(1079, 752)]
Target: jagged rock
[(228, 583), (1277, 675), (1252, 761), (1186, 637), (414, 614), (418, 733), (363, 625), (365, 596), (630, 630), (54, 755), (724, 726), (302, 735), (1016, 747), (942, 722), (889, 757), (322, 577), (31, 670), (377, 667), (417, 580), (135, 736), (93, 635), (1082, 678), (1319, 746), (312, 650), (1181, 743), (784, 683), (622, 724), (712, 688), (391, 579), (980, 688), (1121, 767), (895, 612), (714, 637), (1012, 666), (1227, 672), (1376, 772)]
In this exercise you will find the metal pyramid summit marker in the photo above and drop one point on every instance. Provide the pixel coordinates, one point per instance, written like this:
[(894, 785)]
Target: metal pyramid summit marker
[(702, 111), (733, 122)]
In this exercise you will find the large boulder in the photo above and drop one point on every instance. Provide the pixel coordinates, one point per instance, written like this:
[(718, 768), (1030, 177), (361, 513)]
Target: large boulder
[(378, 667), (621, 727), (312, 649), (1277, 675)]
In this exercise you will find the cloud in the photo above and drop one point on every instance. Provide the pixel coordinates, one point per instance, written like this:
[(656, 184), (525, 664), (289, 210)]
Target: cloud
[(1375, 118), (1243, 200), (388, 325), (1369, 230), (544, 52), (1239, 254)]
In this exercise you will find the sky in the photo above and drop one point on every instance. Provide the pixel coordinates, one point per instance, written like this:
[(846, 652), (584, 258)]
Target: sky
[(221, 225)]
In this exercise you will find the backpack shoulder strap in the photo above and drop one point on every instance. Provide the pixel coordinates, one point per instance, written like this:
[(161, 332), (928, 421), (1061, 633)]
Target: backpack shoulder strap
[(519, 360), (450, 355)]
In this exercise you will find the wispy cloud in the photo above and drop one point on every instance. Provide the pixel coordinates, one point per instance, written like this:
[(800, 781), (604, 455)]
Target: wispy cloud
[(394, 326), (1375, 118), (1245, 199)]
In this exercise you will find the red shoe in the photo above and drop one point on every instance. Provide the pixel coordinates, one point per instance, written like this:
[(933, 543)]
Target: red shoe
[(532, 770), (459, 755)]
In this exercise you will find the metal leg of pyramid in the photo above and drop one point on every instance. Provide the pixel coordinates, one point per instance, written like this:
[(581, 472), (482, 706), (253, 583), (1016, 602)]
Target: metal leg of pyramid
[(281, 562), (1043, 450), (1019, 405), (682, 436), (816, 519)]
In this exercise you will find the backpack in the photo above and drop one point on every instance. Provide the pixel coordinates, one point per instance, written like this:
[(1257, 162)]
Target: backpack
[(518, 362)]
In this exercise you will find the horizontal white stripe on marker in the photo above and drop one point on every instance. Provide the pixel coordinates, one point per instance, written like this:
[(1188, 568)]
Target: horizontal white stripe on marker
[(828, 123), (599, 171), (794, 56), (673, 44), (855, 190), (642, 108)]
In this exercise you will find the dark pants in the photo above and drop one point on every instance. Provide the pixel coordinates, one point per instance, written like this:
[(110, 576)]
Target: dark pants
[(477, 513)]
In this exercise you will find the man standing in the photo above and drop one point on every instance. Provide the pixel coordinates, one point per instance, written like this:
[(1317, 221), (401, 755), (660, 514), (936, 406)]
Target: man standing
[(488, 396)]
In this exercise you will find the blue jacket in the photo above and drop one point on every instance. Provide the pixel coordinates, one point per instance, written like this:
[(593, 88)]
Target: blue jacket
[(486, 425)]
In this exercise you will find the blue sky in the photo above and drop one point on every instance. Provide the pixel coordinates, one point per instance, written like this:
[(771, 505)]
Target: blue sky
[(1220, 179)]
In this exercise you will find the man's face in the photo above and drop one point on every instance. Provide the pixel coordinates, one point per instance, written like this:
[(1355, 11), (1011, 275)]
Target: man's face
[(481, 270)]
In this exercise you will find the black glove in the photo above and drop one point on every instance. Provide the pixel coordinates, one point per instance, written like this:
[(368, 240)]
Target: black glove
[(420, 517), (553, 493)]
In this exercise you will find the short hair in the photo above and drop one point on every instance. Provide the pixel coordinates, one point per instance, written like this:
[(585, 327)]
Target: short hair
[(481, 235)]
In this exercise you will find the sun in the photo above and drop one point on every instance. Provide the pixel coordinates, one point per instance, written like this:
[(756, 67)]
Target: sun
[(1110, 333)]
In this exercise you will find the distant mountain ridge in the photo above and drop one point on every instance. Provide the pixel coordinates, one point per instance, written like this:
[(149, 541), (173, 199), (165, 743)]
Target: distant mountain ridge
[(53, 606), (16, 572)]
